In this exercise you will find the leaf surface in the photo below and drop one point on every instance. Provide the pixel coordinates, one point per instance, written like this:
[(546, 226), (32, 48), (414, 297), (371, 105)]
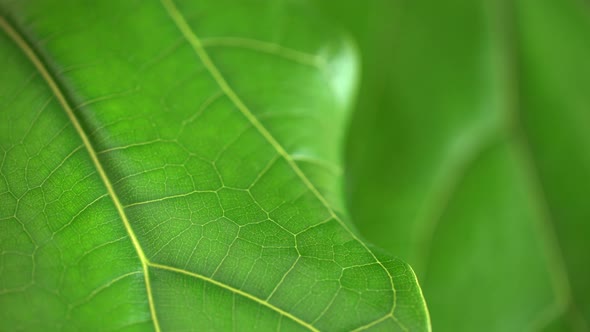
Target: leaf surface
[(175, 165)]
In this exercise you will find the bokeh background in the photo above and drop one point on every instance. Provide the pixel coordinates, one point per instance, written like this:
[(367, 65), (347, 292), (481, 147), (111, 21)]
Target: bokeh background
[(469, 154)]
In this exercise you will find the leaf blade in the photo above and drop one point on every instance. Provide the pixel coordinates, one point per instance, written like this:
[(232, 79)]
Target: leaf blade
[(188, 206)]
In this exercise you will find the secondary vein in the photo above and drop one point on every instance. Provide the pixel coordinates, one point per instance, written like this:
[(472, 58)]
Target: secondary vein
[(237, 291), (197, 46)]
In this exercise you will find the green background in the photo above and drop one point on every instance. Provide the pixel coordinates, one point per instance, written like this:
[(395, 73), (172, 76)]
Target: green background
[(469, 155)]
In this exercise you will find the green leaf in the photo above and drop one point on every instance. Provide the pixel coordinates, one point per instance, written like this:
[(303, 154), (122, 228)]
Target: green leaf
[(175, 166), (470, 155)]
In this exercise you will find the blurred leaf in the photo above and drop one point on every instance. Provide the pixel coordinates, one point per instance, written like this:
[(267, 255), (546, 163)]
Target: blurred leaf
[(469, 155), (155, 179)]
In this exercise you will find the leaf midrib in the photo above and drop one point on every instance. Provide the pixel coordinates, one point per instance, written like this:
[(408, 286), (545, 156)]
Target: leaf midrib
[(28, 50)]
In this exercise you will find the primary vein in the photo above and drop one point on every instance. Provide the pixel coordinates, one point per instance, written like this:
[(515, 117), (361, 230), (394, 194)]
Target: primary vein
[(55, 89)]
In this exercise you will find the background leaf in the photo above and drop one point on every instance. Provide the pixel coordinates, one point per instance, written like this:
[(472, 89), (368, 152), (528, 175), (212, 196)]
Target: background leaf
[(469, 155), (176, 166)]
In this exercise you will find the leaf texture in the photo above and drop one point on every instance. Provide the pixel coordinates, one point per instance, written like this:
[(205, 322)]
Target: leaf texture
[(175, 165)]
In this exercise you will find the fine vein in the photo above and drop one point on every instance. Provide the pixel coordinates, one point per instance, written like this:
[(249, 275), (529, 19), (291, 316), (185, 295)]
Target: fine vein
[(55, 89)]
